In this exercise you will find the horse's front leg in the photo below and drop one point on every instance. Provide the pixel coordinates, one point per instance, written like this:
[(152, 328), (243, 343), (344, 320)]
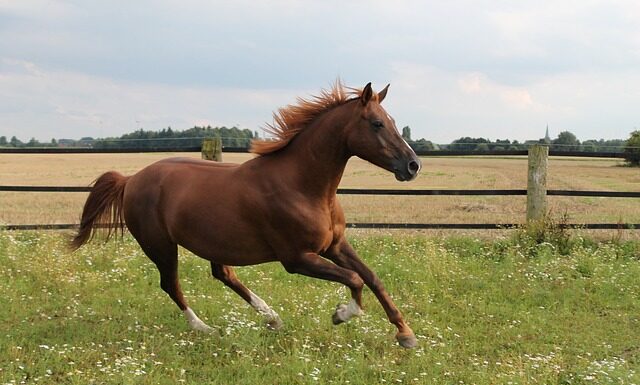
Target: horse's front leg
[(312, 265), (344, 255)]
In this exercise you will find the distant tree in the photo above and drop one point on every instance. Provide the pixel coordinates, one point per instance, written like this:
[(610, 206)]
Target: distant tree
[(566, 141), (192, 137), (33, 142), (612, 145), (589, 146), (482, 147), (3, 140), (632, 149), (15, 142), (500, 144), (86, 141), (406, 133), (468, 144), (422, 145), (515, 145)]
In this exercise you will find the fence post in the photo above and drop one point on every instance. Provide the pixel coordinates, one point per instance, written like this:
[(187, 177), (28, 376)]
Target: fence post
[(537, 183), (212, 149)]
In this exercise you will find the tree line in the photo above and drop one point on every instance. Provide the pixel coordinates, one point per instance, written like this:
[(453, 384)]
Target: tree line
[(241, 138), (166, 137), (566, 141)]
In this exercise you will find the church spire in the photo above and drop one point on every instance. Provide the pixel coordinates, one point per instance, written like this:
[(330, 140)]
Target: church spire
[(547, 139)]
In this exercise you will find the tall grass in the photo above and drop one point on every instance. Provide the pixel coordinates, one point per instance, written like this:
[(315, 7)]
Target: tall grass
[(503, 311)]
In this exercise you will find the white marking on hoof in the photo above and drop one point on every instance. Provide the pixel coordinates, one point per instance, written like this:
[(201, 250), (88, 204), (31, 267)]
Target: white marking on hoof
[(196, 323), (346, 312), (272, 318)]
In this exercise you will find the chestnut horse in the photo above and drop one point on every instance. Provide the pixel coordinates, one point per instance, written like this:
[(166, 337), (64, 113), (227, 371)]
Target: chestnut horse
[(279, 206)]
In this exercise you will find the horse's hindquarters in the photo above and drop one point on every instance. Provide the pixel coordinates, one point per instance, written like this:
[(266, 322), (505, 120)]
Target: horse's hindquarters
[(209, 210)]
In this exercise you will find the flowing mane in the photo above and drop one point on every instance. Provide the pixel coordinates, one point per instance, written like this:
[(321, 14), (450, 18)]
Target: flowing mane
[(290, 120)]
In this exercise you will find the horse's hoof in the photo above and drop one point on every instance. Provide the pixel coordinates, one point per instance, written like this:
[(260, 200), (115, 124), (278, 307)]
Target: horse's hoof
[(407, 341), (344, 312), (340, 315), (275, 324), (202, 328), (336, 319)]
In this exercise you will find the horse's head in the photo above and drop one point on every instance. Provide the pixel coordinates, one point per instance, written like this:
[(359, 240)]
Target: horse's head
[(373, 136)]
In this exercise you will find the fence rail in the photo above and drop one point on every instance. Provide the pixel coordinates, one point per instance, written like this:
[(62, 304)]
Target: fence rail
[(357, 191), (378, 225), (91, 150), (353, 191), (123, 150), (389, 226)]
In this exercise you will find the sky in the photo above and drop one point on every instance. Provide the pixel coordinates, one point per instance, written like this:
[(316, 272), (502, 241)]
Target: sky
[(491, 69)]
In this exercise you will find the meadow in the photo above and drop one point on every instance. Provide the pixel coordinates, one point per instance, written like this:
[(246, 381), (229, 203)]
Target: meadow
[(502, 311), (489, 307)]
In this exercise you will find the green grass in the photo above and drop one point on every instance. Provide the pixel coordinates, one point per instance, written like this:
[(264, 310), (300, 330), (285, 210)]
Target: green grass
[(485, 312)]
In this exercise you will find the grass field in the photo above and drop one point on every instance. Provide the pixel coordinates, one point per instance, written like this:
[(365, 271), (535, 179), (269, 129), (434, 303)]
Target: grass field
[(490, 307), (437, 173), (505, 311)]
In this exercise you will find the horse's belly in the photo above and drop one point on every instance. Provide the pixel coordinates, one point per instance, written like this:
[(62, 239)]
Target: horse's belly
[(235, 254), (228, 245)]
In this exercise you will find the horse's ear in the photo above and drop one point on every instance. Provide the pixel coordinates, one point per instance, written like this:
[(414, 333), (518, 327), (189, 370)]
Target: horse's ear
[(383, 93), (367, 93)]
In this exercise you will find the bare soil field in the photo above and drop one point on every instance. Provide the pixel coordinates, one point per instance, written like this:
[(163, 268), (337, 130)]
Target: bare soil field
[(437, 173)]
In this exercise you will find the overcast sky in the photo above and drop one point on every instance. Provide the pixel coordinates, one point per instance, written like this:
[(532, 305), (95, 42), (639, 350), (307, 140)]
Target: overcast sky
[(493, 69)]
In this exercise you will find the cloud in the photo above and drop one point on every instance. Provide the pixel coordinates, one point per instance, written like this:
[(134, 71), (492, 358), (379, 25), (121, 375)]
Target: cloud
[(462, 68), (69, 104), (444, 105), (438, 105), (480, 85), (455, 104)]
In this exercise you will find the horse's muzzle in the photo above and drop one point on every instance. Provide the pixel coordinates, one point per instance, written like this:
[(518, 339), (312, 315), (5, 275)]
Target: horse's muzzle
[(406, 169)]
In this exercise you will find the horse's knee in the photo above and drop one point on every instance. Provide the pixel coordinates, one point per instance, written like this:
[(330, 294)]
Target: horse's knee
[(356, 280), (223, 274), (376, 285)]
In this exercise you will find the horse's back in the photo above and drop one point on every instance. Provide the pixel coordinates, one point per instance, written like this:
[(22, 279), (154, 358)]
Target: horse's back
[(168, 182), (196, 162)]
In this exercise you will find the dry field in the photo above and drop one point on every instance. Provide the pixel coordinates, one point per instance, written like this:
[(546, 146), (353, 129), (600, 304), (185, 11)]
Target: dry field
[(437, 173)]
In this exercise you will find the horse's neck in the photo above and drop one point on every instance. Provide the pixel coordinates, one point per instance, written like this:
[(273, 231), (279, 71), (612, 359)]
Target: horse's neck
[(317, 157)]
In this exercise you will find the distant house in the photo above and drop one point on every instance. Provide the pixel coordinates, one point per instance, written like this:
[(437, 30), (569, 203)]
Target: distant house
[(66, 142)]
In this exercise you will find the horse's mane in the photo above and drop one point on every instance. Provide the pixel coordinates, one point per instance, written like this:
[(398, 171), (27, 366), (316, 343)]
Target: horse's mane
[(290, 120)]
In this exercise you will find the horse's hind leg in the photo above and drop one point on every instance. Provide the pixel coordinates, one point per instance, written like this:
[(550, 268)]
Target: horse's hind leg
[(165, 255), (228, 277)]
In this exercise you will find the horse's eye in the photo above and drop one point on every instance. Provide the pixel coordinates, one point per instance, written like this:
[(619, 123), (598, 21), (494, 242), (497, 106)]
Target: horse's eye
[(377, 124)]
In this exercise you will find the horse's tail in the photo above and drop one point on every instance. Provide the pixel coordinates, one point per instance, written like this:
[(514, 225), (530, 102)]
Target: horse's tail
[(103, 209)]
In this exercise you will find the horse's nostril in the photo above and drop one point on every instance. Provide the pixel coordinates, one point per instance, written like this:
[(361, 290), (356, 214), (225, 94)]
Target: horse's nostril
[(413, 167)]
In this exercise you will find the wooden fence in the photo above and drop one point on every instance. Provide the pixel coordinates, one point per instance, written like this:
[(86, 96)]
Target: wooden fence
[(536, 191)]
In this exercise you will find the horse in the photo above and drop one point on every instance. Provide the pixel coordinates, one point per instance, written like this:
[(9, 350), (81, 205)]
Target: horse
[(279, 206)]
